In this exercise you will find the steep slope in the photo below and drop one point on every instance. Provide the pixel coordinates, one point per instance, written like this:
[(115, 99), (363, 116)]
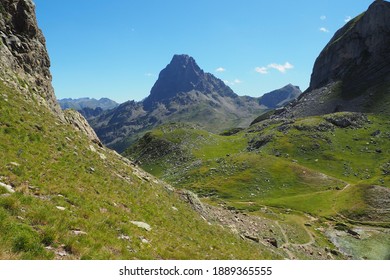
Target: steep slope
[(280, 97), (63, 196), (183, 92), (352, 72)]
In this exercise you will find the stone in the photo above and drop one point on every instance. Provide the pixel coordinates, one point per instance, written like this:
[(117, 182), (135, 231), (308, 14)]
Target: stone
[(7, 187), (252, 238), (142, 225), (272, 241), (144, 240), (79, 232), (124, 237), (61, 208)]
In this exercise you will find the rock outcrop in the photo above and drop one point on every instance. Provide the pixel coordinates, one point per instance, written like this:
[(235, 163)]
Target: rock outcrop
[(352, 73), (359, 53), (24, 61), (80, 123)]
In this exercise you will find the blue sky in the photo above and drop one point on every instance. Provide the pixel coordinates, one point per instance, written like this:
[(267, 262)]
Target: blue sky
[(116, 48)]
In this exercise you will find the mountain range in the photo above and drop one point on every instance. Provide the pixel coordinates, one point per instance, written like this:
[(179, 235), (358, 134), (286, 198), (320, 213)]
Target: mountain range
[(79, 104), (183, 92), (88, 107), (309, 180)]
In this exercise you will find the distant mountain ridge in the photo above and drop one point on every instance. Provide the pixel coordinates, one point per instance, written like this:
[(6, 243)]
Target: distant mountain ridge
[(86, 102), (280, 97)]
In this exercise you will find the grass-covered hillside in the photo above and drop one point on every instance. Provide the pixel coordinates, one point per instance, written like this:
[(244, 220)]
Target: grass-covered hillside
[(63, 197), (333, 169)]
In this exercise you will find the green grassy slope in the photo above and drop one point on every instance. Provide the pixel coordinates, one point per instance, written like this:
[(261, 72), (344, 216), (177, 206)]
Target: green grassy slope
[(274, 160), (75, 200), (333, 168)]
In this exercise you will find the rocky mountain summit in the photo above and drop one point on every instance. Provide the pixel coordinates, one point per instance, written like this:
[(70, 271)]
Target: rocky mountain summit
[(182, 93), (352, 72), (183, 75), (24, 61)]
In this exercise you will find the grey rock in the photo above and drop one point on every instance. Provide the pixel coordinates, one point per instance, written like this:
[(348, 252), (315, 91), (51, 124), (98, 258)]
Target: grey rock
[(80, 123), (272, 241), (7, 187), (24, 61), (353, 71), (142, 225), (358, 51)]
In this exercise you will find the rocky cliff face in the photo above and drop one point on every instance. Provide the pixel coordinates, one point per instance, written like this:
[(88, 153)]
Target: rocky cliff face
[(24, 61), (359, 53), (352, 73)]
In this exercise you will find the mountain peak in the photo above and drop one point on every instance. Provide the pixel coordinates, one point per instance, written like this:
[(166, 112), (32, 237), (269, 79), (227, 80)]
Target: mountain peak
[(183, 75)]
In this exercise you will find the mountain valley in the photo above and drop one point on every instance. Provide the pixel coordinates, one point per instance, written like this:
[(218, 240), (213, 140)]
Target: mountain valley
[(203, 172)]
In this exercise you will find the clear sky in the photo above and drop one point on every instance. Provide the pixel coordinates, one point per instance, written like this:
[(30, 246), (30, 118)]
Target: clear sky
[(116, 48)]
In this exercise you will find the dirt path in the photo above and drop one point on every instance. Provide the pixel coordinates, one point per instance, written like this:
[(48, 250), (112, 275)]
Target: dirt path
[(286, 243)]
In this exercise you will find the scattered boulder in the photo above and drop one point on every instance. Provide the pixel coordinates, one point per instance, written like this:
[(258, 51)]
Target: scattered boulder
[(143, 225), (79, 232), (124, 237), (7, 187), (257, 143), (344, 120)]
